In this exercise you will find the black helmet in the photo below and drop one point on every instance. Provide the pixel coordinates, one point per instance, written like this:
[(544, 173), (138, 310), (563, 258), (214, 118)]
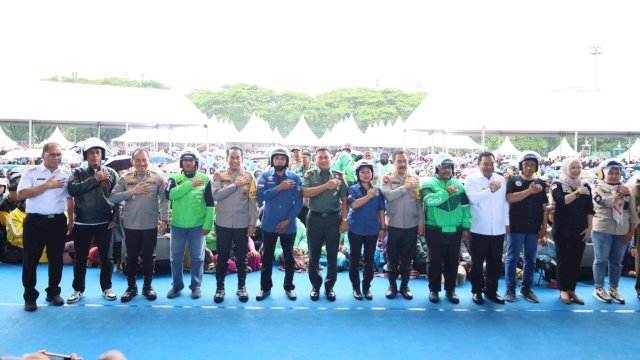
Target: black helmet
[(528, 155), (189, 154), (279, 150)]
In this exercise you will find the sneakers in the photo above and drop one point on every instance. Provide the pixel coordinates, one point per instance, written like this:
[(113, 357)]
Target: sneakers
[(528, 295), (615, 296), (406, 292), (75, 297), (510, 295), (149, 293), (219, 296), (242, 294), (601, 295), (131, 292), (108, 294)]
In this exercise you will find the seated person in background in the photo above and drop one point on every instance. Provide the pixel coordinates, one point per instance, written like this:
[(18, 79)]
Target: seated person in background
[(300, 249), (12, 253), (628, 261), (547, 256)]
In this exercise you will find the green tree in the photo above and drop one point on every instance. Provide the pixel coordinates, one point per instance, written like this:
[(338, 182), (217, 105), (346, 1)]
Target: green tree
[(110, 81)]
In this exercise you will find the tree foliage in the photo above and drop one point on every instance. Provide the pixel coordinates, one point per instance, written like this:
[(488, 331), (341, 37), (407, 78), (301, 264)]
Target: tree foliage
[(110, 81), (237, 102)]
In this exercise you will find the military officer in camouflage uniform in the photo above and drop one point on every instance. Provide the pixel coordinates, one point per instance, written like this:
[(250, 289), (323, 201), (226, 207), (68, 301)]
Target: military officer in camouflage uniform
[(328, 210), (143, 191)]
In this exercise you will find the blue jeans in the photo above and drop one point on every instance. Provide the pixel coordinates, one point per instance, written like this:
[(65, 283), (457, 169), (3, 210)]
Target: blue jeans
[(515, 243), (180, 237), (608, 250)]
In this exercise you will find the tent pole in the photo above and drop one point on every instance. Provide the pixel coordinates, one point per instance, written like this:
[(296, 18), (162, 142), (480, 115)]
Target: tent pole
[(185, 136), (628, 148), (207, 132), (30, 133), (126, 137), (98, 131), (575, 142), (483, 137)]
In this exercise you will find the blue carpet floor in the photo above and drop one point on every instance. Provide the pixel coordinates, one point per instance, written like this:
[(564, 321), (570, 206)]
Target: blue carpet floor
[(346, 329)]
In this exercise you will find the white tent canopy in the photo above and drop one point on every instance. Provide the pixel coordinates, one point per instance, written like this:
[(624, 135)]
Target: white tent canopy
[(96, 105), (564, 149), (57, 137), (301, 135), (507, 148), (528, 113), (634, 151), (257, 131), (5, 141)]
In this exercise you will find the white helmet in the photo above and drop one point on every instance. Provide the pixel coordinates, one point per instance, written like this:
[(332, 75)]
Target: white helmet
[(279, 150), (94, 143), (444, 161), (360, 164)]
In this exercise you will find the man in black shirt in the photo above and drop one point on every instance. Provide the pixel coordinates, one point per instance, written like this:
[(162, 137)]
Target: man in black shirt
[(528, 200)]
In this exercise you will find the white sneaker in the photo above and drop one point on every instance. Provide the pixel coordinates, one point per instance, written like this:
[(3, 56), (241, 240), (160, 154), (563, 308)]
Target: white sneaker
[(75, 297), (601, 295), (109, 294), (615, 296)]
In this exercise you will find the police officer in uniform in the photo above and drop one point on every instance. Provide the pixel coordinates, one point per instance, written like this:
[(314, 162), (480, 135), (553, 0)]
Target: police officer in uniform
[(45, 189), (143, 191), (234, 191), (328, 210), (404, 220)]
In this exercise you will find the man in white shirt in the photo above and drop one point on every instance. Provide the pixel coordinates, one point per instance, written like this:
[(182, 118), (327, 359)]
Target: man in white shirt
[(45, 189), (486, 191)]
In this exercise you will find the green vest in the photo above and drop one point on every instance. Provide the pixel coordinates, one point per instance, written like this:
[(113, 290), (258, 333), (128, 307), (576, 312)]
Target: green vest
[(188, 203)]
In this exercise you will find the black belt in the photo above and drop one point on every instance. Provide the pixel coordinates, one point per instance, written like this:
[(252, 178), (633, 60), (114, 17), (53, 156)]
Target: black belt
[(51, 216), (439, 229), (324, 214)]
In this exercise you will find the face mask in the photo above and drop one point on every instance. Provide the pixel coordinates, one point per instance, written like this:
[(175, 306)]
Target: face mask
[(384, 161), (279, 167)]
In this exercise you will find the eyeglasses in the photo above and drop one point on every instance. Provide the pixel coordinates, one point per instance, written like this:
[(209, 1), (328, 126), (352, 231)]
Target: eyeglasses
[(54, 155)]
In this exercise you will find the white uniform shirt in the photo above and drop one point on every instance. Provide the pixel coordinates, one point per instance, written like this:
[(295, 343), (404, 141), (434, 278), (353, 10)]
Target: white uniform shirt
[(489, 210), (50, 201)]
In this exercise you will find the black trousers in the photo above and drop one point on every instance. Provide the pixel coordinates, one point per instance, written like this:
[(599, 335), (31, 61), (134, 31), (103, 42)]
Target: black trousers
[(357, 242), (40, 231), (140, 243), (401, 249), (489, 248), (323, 229), (443, 258), (268, 247), (569, 250), (228, 237), (82, 236)]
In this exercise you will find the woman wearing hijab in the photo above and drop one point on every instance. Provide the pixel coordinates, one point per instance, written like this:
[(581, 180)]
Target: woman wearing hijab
[(571, 226), (614, 224)]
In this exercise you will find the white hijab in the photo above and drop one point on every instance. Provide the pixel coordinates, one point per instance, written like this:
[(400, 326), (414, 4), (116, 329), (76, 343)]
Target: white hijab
[(565, 174)]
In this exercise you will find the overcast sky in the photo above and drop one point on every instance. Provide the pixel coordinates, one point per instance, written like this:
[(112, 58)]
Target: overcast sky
[(316, 46)]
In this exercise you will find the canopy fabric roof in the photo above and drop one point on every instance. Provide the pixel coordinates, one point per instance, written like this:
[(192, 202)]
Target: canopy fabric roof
[(5, 141), (301, 135), (564, 149), (507, 148), (57, 137), (528, 113), (257, 131), (634, 151), (91, 105)]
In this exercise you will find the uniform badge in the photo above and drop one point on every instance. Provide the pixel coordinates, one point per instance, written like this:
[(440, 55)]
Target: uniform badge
[(518, 183)]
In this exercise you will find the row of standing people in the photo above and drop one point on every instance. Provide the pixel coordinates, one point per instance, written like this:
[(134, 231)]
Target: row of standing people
[(400, 208)]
